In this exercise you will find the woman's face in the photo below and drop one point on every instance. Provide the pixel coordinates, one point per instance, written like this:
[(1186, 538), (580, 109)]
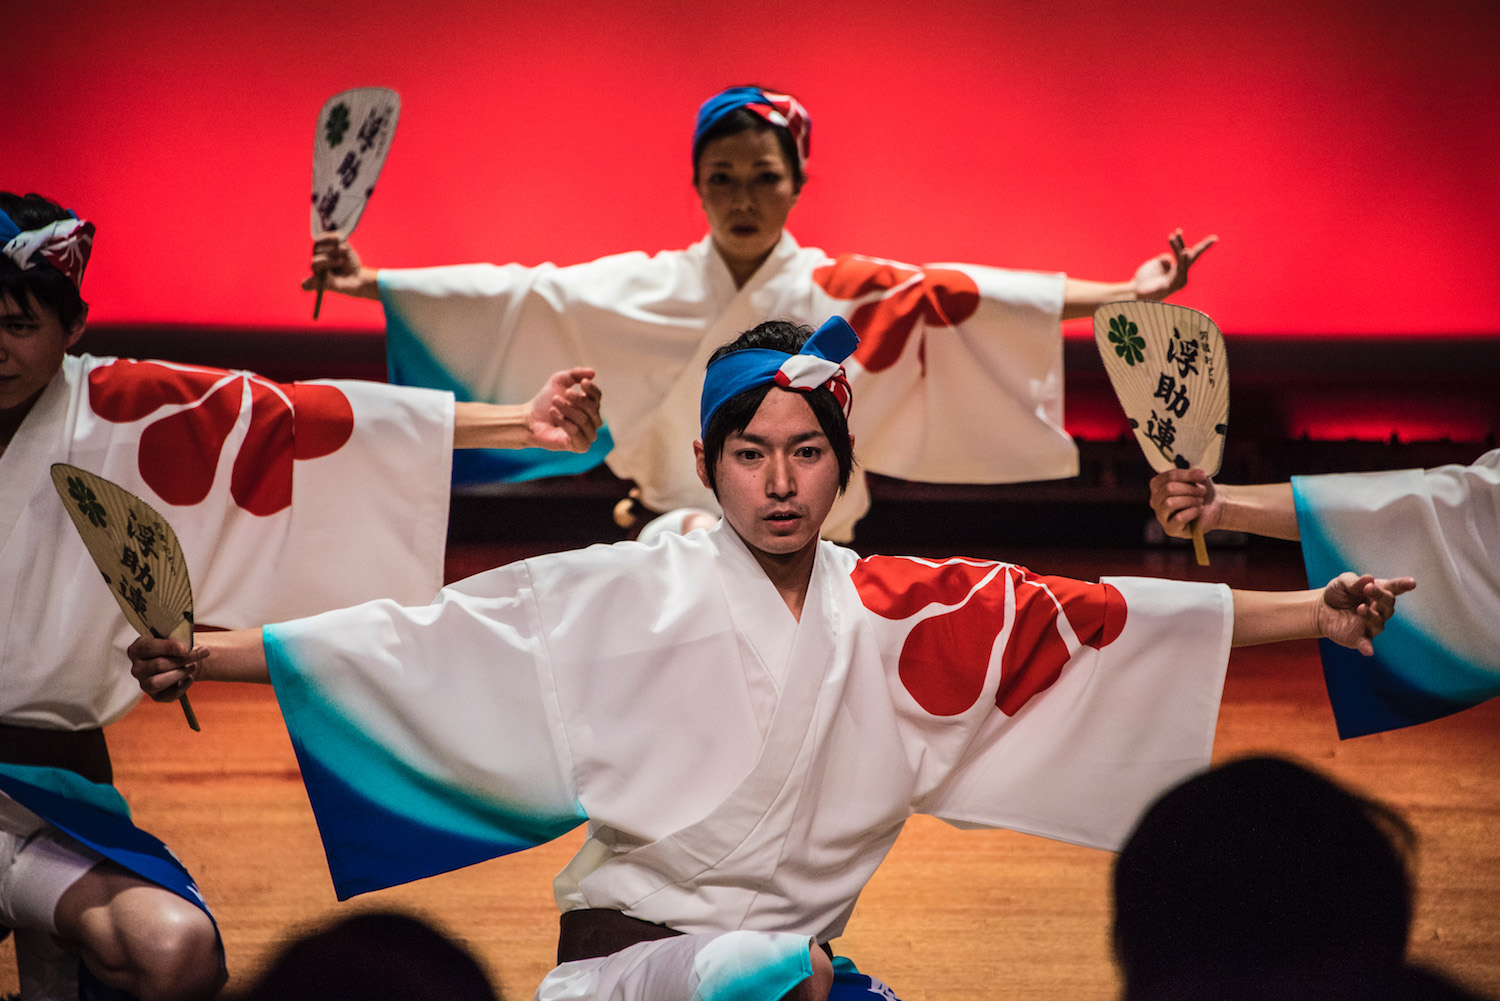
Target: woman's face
[(745, 185)]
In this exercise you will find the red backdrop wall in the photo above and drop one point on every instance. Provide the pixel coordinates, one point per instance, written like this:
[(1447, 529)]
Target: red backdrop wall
[(1345, 153)]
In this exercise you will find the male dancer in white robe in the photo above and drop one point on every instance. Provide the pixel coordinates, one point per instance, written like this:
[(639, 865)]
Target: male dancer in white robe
[(745, 717), (263, 482), (1443, 654)]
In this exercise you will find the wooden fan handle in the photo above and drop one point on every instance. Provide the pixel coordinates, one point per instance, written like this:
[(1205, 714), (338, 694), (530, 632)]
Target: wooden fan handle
[(184, 634), (187, 710), (318, 302), (1200, 549)]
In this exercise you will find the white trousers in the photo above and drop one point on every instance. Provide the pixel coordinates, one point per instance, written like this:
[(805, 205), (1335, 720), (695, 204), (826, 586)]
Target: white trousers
[(37, 865)]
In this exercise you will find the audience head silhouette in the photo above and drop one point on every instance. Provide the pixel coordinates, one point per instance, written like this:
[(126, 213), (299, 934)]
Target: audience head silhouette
[(1261, 871), (373, 955)]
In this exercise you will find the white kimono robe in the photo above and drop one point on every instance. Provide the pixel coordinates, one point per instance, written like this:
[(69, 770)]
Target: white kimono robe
[(1441, 654), (958, 377), (287, 499), (739, 769)]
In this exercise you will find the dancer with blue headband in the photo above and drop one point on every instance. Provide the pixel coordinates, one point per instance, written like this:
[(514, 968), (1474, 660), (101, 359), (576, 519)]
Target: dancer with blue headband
[(969, 357), (268, 533), (745, 717)]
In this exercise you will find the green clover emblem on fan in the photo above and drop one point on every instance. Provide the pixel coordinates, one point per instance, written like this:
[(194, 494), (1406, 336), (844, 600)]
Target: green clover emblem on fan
[(1125, 336), (337, 124), (87, 503)]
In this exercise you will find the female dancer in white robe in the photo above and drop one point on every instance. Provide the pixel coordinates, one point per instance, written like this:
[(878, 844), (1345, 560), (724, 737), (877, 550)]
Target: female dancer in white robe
[(959, 371), (745, 717)]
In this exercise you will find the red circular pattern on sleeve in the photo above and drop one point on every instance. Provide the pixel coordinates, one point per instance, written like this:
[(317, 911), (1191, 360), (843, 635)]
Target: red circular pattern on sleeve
[(935, 296), (945, 657), (178, 455)]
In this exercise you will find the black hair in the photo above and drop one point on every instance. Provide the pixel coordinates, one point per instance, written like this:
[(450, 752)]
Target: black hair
[(738, 411), (1261, 868), (374, 954), (42, 286), (744, 120)]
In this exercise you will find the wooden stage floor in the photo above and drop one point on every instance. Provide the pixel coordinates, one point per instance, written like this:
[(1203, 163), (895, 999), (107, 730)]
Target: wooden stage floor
[(951, 915)]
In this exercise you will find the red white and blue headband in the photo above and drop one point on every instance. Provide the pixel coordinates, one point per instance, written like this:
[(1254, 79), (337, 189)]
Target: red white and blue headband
[(65, 245), (778, 109), (818, 364)]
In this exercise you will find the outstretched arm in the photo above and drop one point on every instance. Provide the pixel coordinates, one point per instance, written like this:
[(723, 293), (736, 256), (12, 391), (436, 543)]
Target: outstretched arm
[(563, 416), (1179, 496), (1352, 610), (165, 668), (337, 263), (1158, 278)]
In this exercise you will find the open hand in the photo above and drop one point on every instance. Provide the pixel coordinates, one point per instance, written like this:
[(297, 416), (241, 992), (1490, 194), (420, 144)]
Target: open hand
[(1166, 273), (1356, 608)]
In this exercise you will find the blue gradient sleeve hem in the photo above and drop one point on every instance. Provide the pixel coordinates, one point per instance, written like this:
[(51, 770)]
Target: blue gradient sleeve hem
[(385, 820), (1413, 677), (96, 816), (409, 363)]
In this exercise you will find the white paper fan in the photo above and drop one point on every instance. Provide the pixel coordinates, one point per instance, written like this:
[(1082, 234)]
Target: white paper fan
[(137, 553), (349, 148), (1170, 372), (350, 143)]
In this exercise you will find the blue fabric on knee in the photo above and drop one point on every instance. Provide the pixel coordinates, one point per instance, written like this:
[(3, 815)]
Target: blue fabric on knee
[(851, 985)]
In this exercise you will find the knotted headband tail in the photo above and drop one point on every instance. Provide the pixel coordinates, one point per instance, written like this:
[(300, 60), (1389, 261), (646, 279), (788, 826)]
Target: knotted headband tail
[(65, 245), (819, 363)]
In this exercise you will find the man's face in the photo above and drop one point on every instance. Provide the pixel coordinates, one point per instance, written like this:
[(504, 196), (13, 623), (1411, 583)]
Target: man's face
[(777, 478), (31, 350)]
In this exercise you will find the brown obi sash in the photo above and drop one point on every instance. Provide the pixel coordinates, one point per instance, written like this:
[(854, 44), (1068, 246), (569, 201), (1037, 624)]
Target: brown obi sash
[(81, 751), (596, 931)]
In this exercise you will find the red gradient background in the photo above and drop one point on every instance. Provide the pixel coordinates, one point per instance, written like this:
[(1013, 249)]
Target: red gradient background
[(1348, 155)]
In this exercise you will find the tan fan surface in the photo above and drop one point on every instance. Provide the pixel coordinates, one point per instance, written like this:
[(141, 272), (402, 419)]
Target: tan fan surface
[(134, 548), (137, 553), (1169, 369)]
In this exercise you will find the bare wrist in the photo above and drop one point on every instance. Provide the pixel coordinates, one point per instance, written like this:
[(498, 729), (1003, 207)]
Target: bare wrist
[(369, 283), (491, 425)]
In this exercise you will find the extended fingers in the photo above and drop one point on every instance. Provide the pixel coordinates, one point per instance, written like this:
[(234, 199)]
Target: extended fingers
[(1198, 248), (1176, 242), (1380, 596), (1377, 608)]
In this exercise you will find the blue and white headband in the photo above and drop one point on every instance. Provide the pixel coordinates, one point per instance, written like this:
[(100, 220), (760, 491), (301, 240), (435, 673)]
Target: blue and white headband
[(65, 245), (778, 109), (819, 363)]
